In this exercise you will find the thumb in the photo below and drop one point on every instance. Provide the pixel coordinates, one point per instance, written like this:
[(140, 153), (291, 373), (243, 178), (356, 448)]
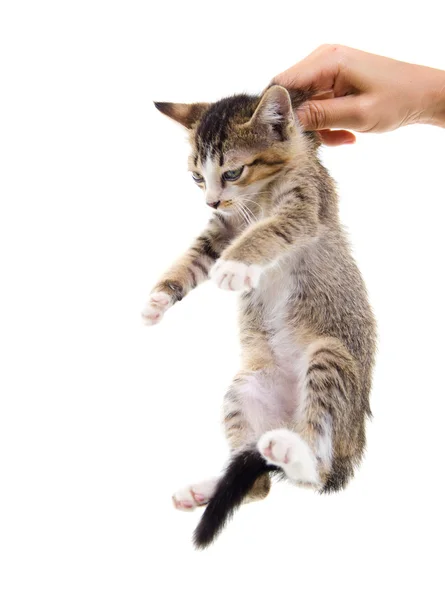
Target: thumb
[(333, 113)]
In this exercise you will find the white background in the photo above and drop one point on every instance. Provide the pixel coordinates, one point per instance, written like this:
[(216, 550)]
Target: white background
[(101, 418)]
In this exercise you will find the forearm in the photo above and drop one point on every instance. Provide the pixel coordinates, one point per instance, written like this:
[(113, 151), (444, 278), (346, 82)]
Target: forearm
[(435, 114), (424, 92)]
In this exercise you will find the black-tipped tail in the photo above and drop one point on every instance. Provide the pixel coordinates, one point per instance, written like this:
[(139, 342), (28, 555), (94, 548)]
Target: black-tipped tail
[(236, 482)]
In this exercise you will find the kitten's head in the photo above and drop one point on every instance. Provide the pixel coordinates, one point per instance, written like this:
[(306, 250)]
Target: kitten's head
[(239, 144)]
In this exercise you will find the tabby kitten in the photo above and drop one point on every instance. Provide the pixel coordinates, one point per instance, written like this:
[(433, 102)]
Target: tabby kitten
[(300, 401)]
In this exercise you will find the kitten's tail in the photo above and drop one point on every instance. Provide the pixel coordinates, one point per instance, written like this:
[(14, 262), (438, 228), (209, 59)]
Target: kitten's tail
[(236, 482)]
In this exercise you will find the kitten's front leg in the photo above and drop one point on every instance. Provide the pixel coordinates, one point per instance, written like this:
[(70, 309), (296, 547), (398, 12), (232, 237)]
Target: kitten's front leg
[(188, 272), (262, 244), (235, 275), (179, 280), (158, 303)]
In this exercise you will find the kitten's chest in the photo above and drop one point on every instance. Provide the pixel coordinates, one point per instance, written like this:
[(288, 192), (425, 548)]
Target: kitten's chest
[(274, 303), (277, 291), (273, 307)]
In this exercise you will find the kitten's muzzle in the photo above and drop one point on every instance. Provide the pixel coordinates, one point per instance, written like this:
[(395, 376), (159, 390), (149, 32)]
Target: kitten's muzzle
[(214, 204)]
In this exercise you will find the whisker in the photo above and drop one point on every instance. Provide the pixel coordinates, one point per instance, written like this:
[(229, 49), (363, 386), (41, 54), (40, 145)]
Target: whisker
[(241, 214), (245, 214), (256, 204), (249, 212)]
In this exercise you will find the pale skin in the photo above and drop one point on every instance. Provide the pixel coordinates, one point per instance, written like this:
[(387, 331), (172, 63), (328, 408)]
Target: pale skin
[(364, 92)]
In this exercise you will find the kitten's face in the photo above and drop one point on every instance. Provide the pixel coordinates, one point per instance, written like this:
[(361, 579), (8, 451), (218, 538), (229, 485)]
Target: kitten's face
[(239, 145)]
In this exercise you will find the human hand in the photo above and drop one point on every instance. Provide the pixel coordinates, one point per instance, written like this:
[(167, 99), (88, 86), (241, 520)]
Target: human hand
[(364, 92)]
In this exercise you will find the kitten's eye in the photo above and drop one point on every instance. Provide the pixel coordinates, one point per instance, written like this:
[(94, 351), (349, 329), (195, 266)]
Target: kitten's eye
[(197, 177), (233, 175)]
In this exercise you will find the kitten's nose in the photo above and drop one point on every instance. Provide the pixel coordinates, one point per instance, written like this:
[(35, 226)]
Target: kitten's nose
[(214, 204)]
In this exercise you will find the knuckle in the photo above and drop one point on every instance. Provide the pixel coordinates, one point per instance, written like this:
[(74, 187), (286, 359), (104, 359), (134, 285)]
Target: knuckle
[(331, 48), (323, 48), (316, 115), (364, 111)]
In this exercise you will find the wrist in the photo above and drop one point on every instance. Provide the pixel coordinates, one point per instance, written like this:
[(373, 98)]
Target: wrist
[(172, 289), (434, 100)]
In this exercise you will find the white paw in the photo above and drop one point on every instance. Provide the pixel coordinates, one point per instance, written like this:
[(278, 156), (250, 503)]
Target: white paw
[(235, 276), (288, 450), (190, 497), (157, 304)]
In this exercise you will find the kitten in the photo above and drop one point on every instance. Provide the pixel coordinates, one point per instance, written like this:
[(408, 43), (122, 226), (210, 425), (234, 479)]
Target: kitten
[(300, 401)]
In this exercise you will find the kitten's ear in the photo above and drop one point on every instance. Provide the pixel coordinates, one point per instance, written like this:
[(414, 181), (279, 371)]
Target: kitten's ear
[(185, 114), (274, 109)]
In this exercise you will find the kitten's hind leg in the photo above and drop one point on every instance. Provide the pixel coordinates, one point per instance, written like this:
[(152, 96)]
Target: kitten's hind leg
[(240, 434), (288, 450), (199, 494), (327, 434), (332, 412), (260, 489), (240, 424)]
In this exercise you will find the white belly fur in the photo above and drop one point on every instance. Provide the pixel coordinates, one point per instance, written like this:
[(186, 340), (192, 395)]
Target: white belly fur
[(271, 397)]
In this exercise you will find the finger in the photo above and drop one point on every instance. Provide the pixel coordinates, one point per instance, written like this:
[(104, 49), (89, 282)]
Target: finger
[(323, 95), (337, 137), (317, 71), (336, 113)]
